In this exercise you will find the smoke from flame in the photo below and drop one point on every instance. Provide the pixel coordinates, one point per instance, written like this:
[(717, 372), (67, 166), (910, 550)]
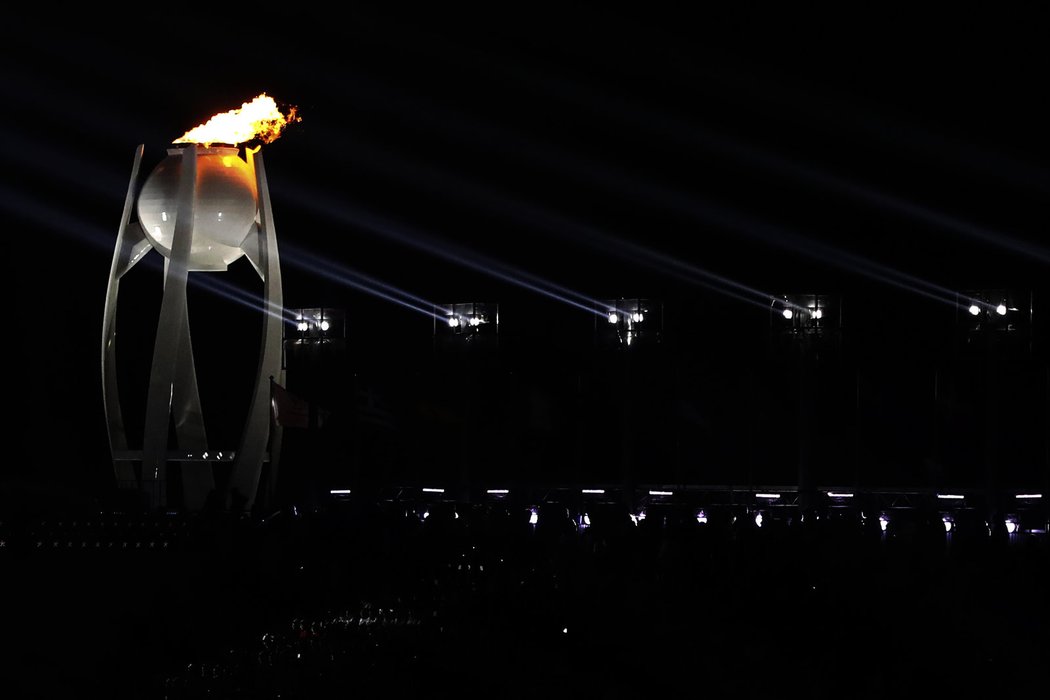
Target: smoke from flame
[(259, 119)]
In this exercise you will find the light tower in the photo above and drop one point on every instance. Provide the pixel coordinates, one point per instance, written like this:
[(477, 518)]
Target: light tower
[(201, 208)]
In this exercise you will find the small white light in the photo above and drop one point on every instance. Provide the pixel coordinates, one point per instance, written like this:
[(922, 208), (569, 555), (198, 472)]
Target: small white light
[(564, 630), (455, 514), (884, 521), (475, 321), (975, 310), (787, 313), (613, 318), (534, 517), (1029, 495), (498, 491), (771, 496), (1001, 309), (592, 490), (586, 519), (758, 520), (164, 216), (453, 322), (947, 523), (1011, 526), (950, 496), (638, 317), (818, 313), (661, 493), (219, 216), (701, 517), (836, 494), (302, 326), (325, 326), (432, 490), (337, 492), (426, 514)]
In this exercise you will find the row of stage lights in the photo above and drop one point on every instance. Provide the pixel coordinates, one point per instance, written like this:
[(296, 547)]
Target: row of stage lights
[(634, 314), (758, 512)]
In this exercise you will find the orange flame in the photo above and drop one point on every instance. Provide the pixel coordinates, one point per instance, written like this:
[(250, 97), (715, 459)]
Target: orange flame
[(259, 119)]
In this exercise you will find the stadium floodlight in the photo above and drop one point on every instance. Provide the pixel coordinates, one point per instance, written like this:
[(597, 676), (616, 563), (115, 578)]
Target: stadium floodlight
[(613, 318), (427, 489), (340, 492), (769, 496), (950, 496), (975, 310), (1029, 496), (1001, 309)]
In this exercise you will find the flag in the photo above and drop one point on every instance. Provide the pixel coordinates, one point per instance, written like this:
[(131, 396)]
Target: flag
[(289, 410)]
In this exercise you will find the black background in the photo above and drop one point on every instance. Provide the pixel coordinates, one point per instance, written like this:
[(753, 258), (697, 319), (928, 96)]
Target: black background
[(790, 151)]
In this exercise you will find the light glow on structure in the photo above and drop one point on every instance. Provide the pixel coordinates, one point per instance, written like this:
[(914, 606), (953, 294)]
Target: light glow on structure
[(771, 496), (340, 492), (261, 119), (498, 492), (661, 493), (974, 310), (836, 494), (592, 491), (1029, 495), (432, 490), (950, 496)]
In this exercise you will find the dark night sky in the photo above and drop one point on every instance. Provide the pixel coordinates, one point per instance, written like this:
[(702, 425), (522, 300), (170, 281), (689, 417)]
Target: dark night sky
[(790, 152)]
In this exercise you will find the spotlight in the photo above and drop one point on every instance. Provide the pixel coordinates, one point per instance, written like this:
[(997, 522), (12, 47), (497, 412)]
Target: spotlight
[(1001, 309), (758, 520), (637, 317), (585, 520), (325, 326), (701, 517), (475, 321), (1011, 526), (534, 517), (453, 322), (302, 326), (788, 313), (975, 310), (948, 523), (884, 522), (613, 318)]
